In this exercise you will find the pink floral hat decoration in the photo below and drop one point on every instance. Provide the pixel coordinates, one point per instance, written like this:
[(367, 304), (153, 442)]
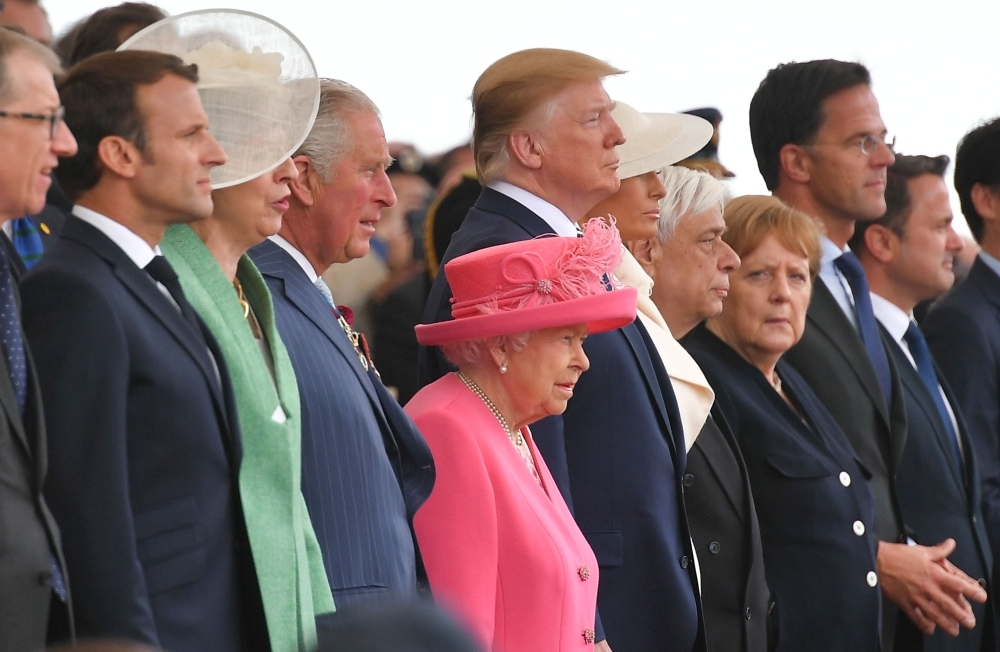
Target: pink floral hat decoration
[(548, 282)]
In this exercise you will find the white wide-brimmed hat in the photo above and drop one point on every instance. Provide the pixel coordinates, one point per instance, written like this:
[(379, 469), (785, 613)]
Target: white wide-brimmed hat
[(256, 80), (656, 140)]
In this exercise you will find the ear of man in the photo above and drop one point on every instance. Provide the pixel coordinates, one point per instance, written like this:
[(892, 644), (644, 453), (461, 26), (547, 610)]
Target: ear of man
[(305, 188), (642, 250), (796, 163), (881, 243), (986, 201), (525, 148), (119, 156)]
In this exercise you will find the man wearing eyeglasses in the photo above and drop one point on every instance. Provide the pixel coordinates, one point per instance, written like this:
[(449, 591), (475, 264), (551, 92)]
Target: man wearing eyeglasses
[(32, 575), (822, 148)]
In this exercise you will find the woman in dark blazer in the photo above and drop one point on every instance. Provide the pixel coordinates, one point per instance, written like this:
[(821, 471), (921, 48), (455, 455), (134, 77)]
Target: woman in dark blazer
[(813, 501)]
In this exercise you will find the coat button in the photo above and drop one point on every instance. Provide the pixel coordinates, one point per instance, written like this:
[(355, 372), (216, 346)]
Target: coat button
[(982, 583), (748, 613), (845, 478), (588, 636), (684, 561), (714, 547), (584, 573), (859, 528), (872, 578), (688, 479)]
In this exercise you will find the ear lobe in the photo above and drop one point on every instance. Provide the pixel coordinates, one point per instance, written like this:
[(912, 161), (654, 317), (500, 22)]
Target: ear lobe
[(881, 243), (524, 148), (119, 156), (986, 202), (302, 188), (642, 250), (795, 162)]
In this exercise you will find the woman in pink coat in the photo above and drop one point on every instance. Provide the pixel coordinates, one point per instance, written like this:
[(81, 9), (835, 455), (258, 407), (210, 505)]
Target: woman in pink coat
[(500, 546)]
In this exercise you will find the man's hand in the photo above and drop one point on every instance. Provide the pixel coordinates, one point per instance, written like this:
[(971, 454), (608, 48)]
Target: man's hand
[(602, 646), (931, 590)]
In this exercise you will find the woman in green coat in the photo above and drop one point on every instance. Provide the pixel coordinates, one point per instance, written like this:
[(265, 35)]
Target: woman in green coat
[(230, 296)]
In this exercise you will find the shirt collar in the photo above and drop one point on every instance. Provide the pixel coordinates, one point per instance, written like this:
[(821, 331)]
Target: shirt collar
[(831, 251), (891, 316), (297, 256), (990, 262), (137, 249), (554, 217)]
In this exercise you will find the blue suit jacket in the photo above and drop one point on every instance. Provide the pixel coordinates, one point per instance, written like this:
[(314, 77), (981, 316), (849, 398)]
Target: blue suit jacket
[(144, 452), (963, 332), (623, 458), (366, 469), (941, 500), (817, 533)]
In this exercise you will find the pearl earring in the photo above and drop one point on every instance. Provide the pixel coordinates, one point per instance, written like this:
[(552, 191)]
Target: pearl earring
[(503, 368)]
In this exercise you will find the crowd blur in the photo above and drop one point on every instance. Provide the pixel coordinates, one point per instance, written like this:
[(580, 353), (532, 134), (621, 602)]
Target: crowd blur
[(273, 382)]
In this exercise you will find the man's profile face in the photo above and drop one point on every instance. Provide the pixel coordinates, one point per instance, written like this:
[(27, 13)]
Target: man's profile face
[(926, 252), (845, 183), (27, 153), (174, 181), (349, 205), (578, 143)]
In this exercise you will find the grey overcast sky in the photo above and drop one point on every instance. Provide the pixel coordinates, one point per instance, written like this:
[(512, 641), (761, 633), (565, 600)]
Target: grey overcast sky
[(934, 64)]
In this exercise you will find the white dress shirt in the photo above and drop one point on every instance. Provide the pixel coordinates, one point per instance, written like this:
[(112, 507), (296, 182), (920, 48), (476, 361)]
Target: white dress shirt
[(554, 217), (990, 262), (834, 280)]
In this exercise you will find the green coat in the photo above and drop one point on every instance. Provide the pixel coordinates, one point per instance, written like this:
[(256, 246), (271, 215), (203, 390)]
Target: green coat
[(293, 582)]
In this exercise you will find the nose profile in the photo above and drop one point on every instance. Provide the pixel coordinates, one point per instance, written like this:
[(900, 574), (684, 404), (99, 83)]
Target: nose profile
[(728, 261), (63, 141), (286, 172)]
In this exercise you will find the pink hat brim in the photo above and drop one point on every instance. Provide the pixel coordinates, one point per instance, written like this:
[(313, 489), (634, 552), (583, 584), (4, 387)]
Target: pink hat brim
[(600, 312)]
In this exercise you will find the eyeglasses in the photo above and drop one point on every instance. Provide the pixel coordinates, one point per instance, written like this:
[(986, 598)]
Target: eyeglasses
[(870, 141), (53, 118)]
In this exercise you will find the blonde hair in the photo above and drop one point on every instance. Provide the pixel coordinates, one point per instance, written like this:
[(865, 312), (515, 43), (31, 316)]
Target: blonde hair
[(752, 218), (11, 42), (512, 89)]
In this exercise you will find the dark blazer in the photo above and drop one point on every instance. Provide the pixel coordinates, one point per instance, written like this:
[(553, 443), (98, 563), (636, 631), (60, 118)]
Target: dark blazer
[(724, 526), (144, 452), (833, 360), (963, 332), (941, 500), (626, 434), (366, 469), (28, 533), (814, 504)]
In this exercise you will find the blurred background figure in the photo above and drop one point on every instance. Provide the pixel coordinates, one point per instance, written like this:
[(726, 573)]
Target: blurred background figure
[(707, 158), (410, 627), (28, 16), (105, 30)]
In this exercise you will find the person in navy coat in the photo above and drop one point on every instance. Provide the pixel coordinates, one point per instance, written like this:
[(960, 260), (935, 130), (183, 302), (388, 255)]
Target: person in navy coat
[(814, 503), (144, 446), (908, 255), (622, 428), (365, 468)]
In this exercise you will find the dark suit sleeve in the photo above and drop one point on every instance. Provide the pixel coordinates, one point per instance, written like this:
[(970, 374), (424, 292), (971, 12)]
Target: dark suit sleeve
[(963, 351), (82, 360)]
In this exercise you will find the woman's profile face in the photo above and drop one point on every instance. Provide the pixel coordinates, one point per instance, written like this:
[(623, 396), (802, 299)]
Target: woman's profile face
[(635, 207), (765, 312), (253, 209), (540, 378)]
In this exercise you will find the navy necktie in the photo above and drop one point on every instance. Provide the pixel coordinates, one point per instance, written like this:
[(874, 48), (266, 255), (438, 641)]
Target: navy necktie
[(162, 272), (27, 240), (850, 267), (11, 335), (925, 367)]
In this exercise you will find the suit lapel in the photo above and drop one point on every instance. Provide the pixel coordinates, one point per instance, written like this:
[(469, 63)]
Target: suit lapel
[(657, 379), (714, 450), (492, 201)]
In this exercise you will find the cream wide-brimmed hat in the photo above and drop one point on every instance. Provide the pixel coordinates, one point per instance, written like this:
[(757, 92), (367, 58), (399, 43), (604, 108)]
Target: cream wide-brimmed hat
[(256, 80), (656, 140)]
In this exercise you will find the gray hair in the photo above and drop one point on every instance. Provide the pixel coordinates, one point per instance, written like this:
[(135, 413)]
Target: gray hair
[(11, 42), (689, 192), (330, 138), (476, 353)]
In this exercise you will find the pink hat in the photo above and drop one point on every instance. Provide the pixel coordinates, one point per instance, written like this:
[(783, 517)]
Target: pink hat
[(524, 286)]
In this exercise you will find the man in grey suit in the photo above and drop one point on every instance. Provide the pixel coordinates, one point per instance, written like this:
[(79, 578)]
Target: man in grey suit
[(822, 148), (366, 469), (32, 137)]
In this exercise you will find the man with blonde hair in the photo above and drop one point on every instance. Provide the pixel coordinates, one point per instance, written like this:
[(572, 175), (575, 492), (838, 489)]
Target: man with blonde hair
[(545, 147)]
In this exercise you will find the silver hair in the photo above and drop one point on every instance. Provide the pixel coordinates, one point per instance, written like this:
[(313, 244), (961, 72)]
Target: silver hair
[(689, 192), (330, 138), (476, 353)]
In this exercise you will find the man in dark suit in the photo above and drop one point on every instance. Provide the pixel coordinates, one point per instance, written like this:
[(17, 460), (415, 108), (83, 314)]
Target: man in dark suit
[(962, 329), (32, 572), (822, 148), (143, 443), (366, 469), (544, 142), (908, 255)]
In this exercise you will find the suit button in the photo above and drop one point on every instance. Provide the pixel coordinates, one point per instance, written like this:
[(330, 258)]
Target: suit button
[(982, 583), (684, 561), (974, 518), (688, 479), (45, 578), (859, 528), (845, 478), (871, 578), (714, 547), (588, 636), (584, 573), (748, 613)]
